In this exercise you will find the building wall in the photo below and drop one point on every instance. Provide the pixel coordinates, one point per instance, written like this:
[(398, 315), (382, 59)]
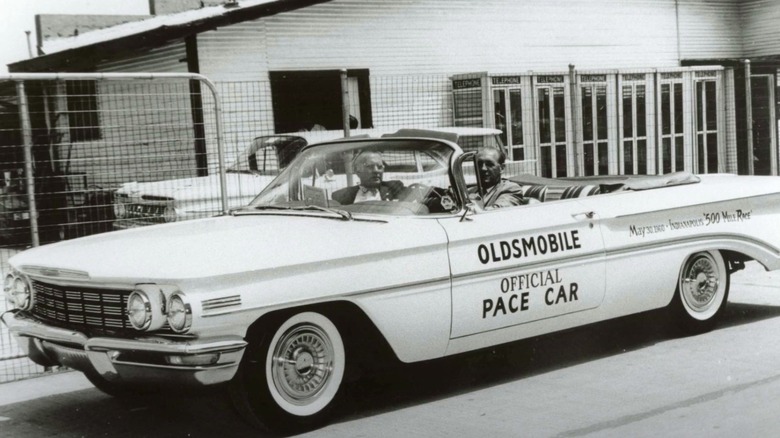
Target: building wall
[(710, 29), (760, 20), (438, 38), (500, 36), (141, 122)]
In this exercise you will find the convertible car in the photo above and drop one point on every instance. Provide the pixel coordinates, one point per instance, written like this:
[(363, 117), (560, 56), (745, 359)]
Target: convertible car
[(279, 299), (157, 202)]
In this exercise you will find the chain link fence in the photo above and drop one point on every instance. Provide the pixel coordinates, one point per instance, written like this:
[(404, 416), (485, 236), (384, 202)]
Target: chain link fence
[(83, 154)]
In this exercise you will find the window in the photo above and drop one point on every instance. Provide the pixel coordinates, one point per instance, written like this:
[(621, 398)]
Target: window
[(83, 117), (706, 127), (306, 100)]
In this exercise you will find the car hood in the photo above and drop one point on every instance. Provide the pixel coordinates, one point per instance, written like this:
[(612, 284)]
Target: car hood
[(196, 188), (228, 245)]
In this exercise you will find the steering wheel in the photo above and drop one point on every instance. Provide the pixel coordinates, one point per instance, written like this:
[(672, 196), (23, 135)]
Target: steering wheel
[(430, 196)]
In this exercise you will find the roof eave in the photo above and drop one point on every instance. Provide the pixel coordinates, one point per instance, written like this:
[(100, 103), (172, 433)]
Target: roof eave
[(85, 57)]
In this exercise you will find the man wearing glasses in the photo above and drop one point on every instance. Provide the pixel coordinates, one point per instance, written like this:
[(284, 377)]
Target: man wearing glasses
[(370, 168)]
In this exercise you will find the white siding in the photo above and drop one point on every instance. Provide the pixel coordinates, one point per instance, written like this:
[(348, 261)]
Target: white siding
[(169, 59), (427, 40), (761, 23), (234, 57), (446, 36), (234, 53), (143, 123), (709, 29)]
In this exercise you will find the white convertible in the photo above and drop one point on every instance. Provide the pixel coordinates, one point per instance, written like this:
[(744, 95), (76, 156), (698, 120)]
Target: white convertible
[(280, 298), (157, 202)]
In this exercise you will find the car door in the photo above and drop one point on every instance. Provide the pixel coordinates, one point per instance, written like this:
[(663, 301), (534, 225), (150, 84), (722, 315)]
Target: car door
[(523, 271)]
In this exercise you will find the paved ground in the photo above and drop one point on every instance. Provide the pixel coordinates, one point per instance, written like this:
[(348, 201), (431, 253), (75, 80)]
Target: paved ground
[(616, 379)]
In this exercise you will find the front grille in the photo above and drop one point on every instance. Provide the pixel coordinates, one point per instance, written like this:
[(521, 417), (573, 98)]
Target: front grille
[(157, 198), (148, 212), (81, 307)]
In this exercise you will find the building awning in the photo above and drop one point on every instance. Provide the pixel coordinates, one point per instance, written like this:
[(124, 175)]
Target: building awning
[(82, 52)]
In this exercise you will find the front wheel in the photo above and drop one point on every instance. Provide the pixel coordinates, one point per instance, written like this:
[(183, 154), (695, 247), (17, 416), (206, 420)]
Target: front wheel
[(702, 292), (291, 376)]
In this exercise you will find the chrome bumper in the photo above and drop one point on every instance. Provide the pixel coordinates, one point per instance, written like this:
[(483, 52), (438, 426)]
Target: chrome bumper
[(128, 360)]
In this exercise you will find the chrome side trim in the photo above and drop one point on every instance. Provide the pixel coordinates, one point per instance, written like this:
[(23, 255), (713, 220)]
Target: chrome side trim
[(55, 273), (219, 303), (394, 289), (666, 243), (531, 266)]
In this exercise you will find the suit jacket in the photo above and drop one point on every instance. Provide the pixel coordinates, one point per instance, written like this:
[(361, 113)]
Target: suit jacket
[(388, 191), (504, 194)]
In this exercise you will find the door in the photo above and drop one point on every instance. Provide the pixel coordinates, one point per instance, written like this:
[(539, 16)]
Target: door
[(764, 133), (552, 113), (597, 109), (672, 126), (515, 266), (508, 118), (636, 127)]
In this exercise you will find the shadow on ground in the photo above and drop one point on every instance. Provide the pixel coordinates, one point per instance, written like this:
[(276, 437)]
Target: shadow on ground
[(90, 413)]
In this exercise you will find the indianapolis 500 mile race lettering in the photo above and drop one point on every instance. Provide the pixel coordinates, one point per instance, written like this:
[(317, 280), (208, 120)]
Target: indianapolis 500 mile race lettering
[(541, 244), (706, 220), (516, 293)]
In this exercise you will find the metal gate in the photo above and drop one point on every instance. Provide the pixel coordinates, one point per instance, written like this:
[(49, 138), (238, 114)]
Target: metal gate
[(73, 148)]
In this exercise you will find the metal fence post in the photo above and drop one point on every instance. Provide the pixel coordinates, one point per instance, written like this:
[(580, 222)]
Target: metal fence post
[(749, 116), (345, 103), (574, 89), (24, 115)]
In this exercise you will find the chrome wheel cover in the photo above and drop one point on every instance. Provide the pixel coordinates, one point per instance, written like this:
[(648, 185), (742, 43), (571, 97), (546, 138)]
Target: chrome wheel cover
[(700, 283), (302, 363)]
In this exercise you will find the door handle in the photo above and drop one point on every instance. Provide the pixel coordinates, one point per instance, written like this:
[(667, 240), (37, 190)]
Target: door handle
[(584, 215)]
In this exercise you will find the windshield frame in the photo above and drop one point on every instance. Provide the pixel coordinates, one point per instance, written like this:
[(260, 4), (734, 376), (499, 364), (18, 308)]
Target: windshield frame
[(284, 143), (449, 161)]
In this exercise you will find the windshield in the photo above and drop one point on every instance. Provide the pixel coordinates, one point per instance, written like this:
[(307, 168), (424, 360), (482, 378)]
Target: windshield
[(384, 177), (268, 155)]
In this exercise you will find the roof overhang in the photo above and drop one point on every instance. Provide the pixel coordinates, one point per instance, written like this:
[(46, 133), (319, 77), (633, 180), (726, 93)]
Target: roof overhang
[(155, 34), (757, 62)]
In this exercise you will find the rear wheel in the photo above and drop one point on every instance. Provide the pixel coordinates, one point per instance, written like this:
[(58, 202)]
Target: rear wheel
[(291, 376), (702, 292)]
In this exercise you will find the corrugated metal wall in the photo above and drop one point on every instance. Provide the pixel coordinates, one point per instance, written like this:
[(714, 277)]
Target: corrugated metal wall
[(234, 53), (170, 58), (235, 58), (169, 132), (761, 24), (709, 29), (446, 36)]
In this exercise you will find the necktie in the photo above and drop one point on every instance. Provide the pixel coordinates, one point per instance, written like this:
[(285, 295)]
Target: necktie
[(369, 192)]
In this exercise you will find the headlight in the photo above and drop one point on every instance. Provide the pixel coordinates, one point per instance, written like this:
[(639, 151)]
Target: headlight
[(7, 283), (145, 308), (19, 291), (179, 313), (169, 215), (120, 210), (139, 310)]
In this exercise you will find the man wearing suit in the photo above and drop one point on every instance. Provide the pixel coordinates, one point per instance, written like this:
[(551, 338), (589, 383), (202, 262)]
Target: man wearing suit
[(369, 168), (499, 193)]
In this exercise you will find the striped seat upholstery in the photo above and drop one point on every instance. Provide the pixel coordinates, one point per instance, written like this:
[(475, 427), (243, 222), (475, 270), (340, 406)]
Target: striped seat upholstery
[(534, 191), (554, 193)]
